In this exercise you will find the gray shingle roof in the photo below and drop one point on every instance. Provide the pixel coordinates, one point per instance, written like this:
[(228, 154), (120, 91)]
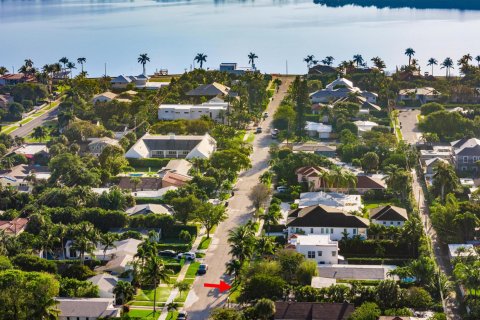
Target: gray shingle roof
[(172, 144), (312, 310), (213, 89), (389, 213)]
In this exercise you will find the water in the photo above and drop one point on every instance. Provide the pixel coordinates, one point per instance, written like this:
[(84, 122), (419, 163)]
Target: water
[(172, 32)]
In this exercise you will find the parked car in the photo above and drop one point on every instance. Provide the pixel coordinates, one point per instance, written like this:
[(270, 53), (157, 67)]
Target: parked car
[(259, 130), (182, 315), (187, 256), (282, 189), (265, 115), (274, 133), (202, 269), (167, 253)]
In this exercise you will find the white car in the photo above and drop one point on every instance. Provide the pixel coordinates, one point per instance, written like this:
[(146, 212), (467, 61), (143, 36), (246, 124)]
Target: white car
[(187, 256), (282, 189)]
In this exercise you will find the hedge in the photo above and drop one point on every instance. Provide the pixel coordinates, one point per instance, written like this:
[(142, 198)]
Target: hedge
[(369, 248), (177, 247), (148, 162), (149, 200), (275, 228), (27, 262), (174, 231), (175, 267), (378, 261)]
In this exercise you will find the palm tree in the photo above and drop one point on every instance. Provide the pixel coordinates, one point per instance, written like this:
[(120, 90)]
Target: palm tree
[(39, 133), (65, 117), (410, 53), (47, 309), (83, 245), (477, 58), (328, 60), (251, 59), (108, 241), (81, 61), (233, 267), (28, 63), (358, 59), (432, 62), (242, 240), (201, 58), (379, 63), (64, 61), (3, 70), (309, 60), (445, 176), (143, 59), (70, 66), (124, 291), (172, 306), (447, 64), (8, 163), (264, 309), (265, 246), (153, 273)]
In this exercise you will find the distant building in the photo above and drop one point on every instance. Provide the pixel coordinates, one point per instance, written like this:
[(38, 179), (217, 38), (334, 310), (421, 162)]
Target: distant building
[(172, 146), (313, 176), (423, 95), (106, 284), (442, 152), (389, 216), (318, 130), (317, 247), (466, 154), (97, 145), (33, 149), (322, 149), (15, 78), (312, 310), (369, 182), (210, 91), (150, 208), (87, 308), (232, 68), (108, 97), (365, 126), (326, 220), (213, 109), (341, 89), (13, 227), (456, 250), (430, 165), (321, 70)]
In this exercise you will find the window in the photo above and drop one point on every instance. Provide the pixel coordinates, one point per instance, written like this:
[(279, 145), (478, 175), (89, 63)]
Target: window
[(464, 168), (384, 223), (319, 253), (322, 231), (391, 222), (334, 253), (354, 231), (465, 159), (311, 230), (331, 230), (398, 223), (311, 254)]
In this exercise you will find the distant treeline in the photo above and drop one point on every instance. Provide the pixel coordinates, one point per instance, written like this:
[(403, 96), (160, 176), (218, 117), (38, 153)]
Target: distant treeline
[(417, 4)]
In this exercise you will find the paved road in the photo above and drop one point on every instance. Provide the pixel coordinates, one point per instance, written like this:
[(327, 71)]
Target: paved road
[(24, 130), (408, 121), (202, 300)]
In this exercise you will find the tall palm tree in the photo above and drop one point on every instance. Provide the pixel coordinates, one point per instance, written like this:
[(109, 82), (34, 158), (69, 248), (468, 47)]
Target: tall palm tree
[(379, 63), (410, 53), (70, 66), (124, 291), (28, 63), (153, 273), (64, 61), (265, 246), (108, 241), (81, 61), (172, 306), (233, 267), (358, 59), (447, 64), (251, 59), (309, 60), (39, 133), (143, 59), (83, 245), (3, 70), (241, 240), (477, 58), (445, 175), (432, 62), (201, 58), (328, 60)]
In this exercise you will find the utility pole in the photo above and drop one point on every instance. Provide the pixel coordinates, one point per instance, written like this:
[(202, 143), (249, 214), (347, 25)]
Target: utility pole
[(286, 67)]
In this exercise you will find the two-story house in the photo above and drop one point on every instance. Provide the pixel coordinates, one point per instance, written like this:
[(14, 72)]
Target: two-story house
[(214, 109), (172, 146), (389, 216), (97, 145), (466, 154), (318, 247), (326, 220)]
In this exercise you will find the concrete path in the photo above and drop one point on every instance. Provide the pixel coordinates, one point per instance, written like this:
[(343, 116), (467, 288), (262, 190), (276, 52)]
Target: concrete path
[(200, 300)]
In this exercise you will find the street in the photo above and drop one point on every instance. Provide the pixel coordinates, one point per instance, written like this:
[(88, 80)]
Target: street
[(408, 122), (200, 300), (24, 130)]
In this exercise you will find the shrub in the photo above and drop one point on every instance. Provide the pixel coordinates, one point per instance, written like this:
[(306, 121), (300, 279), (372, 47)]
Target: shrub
[(185, 236), (174, 230), (27, 262), (77, 271), (175, 267), (417, 298), (5, 263), (431, 107), (148, 162)]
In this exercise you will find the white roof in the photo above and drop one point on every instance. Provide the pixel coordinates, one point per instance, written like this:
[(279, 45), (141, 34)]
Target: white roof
[(420, 91), (151, 207), (122, 247), (340, 82), (106, 140), (361, 123), (319, 127), (105, 282), (320, 282), (180, 166), (153, 193), (31, 149), (106, 94), (454, 248), (429, 162), (344, 202), (314, 240), (87, 307)]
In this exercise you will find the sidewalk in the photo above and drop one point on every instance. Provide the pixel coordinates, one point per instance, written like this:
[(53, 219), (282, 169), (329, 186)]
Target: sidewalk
[(181, 275)]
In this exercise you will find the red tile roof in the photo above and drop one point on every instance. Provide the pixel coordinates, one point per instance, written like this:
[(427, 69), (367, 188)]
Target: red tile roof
[(14, 227)]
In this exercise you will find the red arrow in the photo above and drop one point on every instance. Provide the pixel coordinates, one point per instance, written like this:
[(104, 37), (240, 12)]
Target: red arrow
[(222, 286)]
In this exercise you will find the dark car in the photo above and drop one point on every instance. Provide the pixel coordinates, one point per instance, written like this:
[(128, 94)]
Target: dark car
[(167, 253), (182, 315), (259, 130), (202, 268)]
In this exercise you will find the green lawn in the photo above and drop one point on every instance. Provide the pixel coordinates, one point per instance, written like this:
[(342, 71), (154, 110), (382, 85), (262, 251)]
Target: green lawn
[(10, 129), (172, 315), (372, 204), (26, 120), (192, 270), (147, 295), (143, 314), (205, 243)]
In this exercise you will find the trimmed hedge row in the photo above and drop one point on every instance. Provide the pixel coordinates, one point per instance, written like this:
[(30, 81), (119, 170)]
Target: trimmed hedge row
[(177, 247), (148, 162), (174, 231), (175, 267), (388, 261), (375, 248)]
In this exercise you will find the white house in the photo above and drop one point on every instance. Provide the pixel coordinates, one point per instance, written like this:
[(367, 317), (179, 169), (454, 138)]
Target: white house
[(149, 208), (316, 247), (424, 95), (326, 220), (172, 146), (430, 165), (340, 201), (97, 145), (364, 126), (389, 216), (466, 154), (87, 308), (339, 89), (442, 152), (104, 97), (106, 284), (456, 250), (212, 109), (318, 130)]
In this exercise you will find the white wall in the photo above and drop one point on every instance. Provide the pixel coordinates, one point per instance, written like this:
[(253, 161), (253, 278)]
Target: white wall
[(323, 254), (335, 233), (388, 223)]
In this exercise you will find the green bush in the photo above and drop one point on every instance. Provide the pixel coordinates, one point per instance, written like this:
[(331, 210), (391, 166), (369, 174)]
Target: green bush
[(148, 162), (175, 267), (174, 230), (387, 261), (27, 262), (177, 247)]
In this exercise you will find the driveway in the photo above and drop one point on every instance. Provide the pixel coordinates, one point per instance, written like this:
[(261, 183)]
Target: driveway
[(408, 122), (200, 300)]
